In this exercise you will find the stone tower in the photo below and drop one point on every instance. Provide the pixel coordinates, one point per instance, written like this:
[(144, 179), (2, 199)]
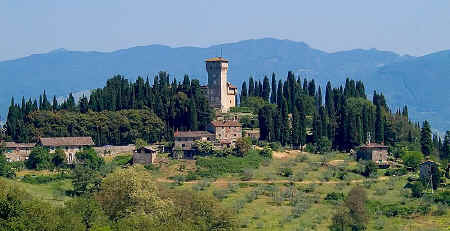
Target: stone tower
[(221, 94)]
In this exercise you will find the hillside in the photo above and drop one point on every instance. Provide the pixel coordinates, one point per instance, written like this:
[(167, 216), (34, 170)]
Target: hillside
[(62, 71)]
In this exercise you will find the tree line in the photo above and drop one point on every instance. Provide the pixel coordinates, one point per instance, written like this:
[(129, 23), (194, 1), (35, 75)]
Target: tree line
[(115, 114), (297, 112)]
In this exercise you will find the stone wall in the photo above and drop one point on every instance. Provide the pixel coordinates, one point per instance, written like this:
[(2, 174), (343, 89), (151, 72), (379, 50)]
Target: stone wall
[(110, 150)]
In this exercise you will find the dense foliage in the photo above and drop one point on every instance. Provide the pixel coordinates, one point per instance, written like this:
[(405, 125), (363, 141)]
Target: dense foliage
[(125, 200), (297, 112), (117, 114)]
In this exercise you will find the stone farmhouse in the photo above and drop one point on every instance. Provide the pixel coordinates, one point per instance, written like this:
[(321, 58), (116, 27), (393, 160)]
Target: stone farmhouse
[(220, 133), (221, 93), (226, 131), (145, 155), (17, 151), (185, 140), (70, 145), (377, 153)]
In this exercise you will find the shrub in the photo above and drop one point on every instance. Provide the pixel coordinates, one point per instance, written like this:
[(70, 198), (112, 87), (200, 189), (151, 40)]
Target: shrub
[(417, 189), (380, 191), (247, 174), (276, 146), (39, 159), (370, 169), (123, 159), (336, 196), (220, 193), (443, 197), (233, 187), (311, 148), (266, 152), (301, 158), (299, 176), (31, 179), (396, 172), (179, 180), (243, 146), (286, 172), (244, 222), (441, 210), (412, 159)]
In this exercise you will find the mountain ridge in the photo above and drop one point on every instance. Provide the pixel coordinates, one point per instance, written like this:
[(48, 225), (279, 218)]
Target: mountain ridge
[(62, 71)]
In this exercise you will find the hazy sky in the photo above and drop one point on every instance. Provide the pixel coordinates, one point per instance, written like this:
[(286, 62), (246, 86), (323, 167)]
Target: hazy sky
[(415, 27)]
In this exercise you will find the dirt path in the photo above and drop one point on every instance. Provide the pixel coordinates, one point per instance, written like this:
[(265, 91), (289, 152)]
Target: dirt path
[(225, 182)]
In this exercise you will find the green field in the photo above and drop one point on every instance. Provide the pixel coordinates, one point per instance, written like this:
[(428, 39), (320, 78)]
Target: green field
[(265, 199)]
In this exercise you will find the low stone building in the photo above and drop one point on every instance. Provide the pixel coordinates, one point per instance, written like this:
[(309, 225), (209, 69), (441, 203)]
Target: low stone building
[(377, 153), (70, 145), (145, 155), (17, 151), (226, 131), (252, 133), (184, 140)]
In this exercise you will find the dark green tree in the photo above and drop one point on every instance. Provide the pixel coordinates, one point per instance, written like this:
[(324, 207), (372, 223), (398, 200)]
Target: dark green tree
[(244, 92), (266, 88), (379, 125), (273, 95), (425, 139)]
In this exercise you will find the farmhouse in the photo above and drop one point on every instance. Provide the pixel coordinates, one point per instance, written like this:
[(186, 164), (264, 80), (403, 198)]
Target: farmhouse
[(17, 151), (226, 131), (377, 153), (70, 145), (185, 140), (145, 155)]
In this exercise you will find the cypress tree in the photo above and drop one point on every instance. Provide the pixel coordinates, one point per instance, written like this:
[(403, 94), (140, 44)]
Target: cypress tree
[(260, 89), (244, 92), (295, 139), (193, 119), (445, 154), (312, 88), (273, 96), (379, 126), (266, 88), (84, 104), (280, 93), (285, 123), (55, 104), (251, 87), (425, 139)]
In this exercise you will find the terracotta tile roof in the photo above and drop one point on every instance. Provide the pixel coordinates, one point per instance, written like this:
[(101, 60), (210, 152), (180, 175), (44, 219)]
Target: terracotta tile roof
[(226, 123), (217, 59), (67, 141), (194, 134), (19, 145), (374, 145)]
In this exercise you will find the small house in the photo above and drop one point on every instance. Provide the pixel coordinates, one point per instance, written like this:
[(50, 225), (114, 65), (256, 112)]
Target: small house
[(70, 145), (17, 151), (184, 140), (377, 153), (145, 155), (226, 131)]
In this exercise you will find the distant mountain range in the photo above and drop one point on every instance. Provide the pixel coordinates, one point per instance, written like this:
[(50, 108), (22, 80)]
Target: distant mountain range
[(423, 83)]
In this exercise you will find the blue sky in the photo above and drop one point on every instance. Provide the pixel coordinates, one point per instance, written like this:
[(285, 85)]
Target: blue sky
[(414, 27)]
